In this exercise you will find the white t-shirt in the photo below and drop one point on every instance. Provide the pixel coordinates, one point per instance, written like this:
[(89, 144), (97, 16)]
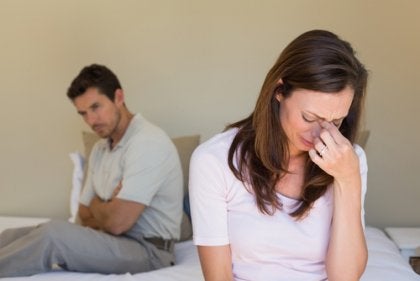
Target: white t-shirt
[(263, 247), (147, 163)]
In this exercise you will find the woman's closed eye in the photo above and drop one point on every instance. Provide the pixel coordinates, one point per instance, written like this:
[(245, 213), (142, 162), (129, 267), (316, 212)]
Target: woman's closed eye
[(311, 119), (308, 119)]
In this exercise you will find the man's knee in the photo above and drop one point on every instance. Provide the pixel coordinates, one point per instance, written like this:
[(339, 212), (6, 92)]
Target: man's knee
[(54, 229)]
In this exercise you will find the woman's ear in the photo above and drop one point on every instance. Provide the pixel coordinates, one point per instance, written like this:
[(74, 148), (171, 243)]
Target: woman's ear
[(279, 94)]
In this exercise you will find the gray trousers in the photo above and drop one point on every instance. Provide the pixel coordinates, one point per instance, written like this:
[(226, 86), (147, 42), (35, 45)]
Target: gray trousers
[(31, 250)]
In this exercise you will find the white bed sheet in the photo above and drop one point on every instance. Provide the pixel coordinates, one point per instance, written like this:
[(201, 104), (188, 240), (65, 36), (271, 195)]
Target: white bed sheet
[(384, 264), (187, 266)]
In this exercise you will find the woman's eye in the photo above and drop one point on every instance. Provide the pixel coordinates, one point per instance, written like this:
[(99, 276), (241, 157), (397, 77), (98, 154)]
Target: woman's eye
[(307, 119)]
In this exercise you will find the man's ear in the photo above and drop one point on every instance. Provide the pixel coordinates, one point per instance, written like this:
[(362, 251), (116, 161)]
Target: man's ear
[(119, 97)]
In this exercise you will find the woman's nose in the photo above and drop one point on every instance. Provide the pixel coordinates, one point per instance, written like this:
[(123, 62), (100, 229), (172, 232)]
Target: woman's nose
[(316, 130)]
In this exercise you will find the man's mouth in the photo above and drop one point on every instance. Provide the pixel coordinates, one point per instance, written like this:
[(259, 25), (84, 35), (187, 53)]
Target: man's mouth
[(96, 127)]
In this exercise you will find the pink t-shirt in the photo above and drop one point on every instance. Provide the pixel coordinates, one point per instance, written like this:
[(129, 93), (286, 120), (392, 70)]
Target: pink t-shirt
[(263, 247)]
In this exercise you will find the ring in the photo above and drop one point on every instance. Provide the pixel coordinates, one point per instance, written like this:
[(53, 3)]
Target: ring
[(325, 148)]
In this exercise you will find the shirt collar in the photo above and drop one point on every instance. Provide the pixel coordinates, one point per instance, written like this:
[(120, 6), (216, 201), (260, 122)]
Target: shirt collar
[(135, 124)]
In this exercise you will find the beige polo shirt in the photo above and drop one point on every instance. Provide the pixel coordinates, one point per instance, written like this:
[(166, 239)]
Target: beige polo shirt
[(147, 163)]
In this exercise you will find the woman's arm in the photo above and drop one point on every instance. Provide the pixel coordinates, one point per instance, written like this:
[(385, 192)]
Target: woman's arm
[(209, 214), (347, 252), (216, 262)]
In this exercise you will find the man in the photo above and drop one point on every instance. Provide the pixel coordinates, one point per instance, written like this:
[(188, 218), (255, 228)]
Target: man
[(131, 204)]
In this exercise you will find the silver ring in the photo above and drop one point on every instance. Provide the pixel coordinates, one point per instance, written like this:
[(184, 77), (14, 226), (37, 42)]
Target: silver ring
[(322, 151)]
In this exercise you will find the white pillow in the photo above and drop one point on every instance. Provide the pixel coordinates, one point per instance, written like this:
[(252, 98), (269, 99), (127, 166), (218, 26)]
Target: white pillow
[(77, 181)]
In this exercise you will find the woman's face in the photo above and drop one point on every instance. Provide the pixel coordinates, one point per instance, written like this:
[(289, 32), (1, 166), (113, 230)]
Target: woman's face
[(302, 112)]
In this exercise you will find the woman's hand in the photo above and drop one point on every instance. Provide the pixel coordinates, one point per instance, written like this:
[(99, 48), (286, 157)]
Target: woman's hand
[(334, 154), (347, 252)]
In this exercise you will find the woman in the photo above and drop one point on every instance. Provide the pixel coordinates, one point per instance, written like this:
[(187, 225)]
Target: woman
[(278, 195)]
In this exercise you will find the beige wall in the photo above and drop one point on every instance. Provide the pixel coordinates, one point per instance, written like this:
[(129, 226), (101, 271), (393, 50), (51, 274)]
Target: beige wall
[(192, 67)]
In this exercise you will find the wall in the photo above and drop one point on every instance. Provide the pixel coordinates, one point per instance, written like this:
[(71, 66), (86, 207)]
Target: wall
[(192, 67)]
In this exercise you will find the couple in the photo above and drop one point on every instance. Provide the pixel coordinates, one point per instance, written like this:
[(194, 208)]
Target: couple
[(276, 196)]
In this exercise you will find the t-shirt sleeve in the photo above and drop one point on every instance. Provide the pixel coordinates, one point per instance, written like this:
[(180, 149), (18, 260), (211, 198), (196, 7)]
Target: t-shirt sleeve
[(144, 170), (363, 173), (208, 199)]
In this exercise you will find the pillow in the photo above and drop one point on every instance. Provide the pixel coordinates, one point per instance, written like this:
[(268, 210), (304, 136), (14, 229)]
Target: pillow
[(185, 146), (89, 139), (77, 181)]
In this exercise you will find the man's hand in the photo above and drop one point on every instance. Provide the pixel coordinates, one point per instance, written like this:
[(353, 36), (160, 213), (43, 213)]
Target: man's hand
[(115, 216), (86, 218)]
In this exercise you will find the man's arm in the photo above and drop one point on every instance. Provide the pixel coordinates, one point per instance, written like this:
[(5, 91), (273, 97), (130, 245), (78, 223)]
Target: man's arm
[(115, 216), (86, 218)]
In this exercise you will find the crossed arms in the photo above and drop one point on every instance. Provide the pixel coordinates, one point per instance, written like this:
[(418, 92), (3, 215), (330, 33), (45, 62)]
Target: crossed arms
[(115, 216)]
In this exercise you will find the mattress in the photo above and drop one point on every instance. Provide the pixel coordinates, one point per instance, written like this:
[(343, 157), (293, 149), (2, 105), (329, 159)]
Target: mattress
[(384, 263)]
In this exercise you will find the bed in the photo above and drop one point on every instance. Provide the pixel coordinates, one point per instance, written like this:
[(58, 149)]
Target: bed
[(384, 264)]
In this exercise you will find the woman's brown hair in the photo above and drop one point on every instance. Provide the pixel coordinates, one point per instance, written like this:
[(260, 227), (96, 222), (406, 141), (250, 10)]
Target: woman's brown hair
[(317, 60)]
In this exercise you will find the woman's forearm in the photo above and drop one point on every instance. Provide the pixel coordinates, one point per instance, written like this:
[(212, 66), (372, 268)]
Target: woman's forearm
[(347, 251)]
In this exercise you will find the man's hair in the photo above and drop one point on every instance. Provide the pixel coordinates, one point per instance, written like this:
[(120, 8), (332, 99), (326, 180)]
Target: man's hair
[(94, 76)]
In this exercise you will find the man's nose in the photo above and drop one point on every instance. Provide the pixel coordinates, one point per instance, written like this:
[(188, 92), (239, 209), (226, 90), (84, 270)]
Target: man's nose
[(90, 118)]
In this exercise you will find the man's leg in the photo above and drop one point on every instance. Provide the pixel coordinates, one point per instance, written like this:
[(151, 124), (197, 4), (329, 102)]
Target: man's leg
[(22, 251), (77, 248), (86, 250), (10, 235)]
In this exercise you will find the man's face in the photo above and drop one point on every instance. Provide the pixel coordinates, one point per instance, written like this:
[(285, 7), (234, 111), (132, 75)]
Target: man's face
[(99, 112)]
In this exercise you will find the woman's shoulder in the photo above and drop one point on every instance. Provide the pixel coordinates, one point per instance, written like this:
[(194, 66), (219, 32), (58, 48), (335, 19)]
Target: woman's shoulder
[(359, 150), (216, 147), (220, 142), (362, 156)]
